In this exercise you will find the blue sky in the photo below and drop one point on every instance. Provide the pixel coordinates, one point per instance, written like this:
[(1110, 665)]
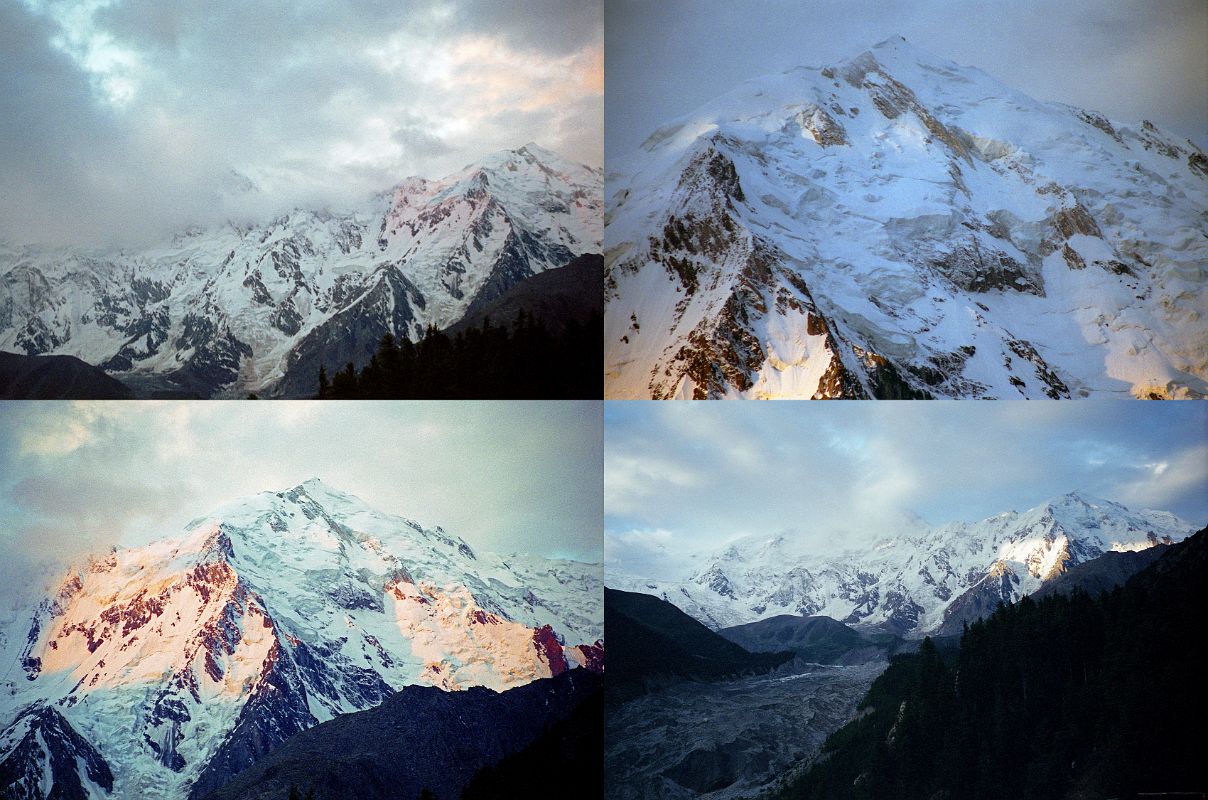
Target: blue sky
[(508, 477), (687, 478), (1128, 59)]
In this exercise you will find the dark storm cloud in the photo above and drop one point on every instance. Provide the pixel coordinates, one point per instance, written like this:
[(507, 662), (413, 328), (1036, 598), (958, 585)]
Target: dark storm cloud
[(685, 479), (1130, 59), (123, 119)]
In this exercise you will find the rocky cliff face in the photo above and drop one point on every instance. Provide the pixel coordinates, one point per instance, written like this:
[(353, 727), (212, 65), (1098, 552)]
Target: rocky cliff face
[(260, 306), (899, 226), (918, 580), (174, 666)]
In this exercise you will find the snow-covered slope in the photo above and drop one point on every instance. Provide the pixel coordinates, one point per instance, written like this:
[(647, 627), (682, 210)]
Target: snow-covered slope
[(181, 662), (913, 580), (902, 226), (258, 307)]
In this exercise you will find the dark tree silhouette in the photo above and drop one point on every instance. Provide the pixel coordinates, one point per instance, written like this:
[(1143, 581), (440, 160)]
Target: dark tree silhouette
[(521, 361), (1063, 697)]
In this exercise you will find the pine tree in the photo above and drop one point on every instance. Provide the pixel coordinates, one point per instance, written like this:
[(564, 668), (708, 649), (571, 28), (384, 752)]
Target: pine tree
[(324, 384)]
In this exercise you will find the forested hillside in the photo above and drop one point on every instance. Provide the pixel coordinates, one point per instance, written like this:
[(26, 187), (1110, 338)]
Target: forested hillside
[(1072, 696)]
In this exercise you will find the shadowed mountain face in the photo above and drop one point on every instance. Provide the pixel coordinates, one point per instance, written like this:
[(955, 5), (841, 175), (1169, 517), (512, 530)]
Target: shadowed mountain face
[(566, 755), (421, 738), (554, 298), (1103, 573), (56, 378), (820, 640), (651, 642), (1002, 586)]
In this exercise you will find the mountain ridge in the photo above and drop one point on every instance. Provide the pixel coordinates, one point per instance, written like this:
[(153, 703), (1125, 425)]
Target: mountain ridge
[(259, 307), (905, 584)]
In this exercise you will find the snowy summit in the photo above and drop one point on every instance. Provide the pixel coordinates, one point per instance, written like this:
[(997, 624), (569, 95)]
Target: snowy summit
[(161, 671)]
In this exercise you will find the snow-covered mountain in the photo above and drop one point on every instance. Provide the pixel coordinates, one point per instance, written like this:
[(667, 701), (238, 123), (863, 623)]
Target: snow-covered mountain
[(258, 307), (161, 671), (900, 226), (914, 580)]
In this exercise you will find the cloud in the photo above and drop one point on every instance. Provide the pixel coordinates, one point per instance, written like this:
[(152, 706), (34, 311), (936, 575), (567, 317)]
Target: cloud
[(506, 477), (1163, 482), (68, 516), (688, 479), (121, 120)]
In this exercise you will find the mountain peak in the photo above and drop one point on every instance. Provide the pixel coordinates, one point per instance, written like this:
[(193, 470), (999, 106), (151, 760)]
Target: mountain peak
[(314, 485), (536, 150), (898, 53), (895, 179), (275, 612), (892, 43), (1079, 496)]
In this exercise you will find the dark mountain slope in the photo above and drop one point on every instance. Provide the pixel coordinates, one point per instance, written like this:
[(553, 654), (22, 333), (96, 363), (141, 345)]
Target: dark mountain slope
[(1101, 574), (818, 639), (566, 755), (1001, 585), (1072, 696), (556, 297), (651, 642), (421, 738), (56, 378), (48, 742)]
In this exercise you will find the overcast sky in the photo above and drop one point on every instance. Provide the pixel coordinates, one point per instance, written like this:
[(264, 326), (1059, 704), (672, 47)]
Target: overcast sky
[(508, 477), (685, 478), (1129, 59), (121, 119)]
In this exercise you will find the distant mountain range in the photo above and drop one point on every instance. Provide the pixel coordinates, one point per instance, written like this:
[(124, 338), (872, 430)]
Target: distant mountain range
[(168, 669), (260, 306), (916, 580), (819, 640), (900, 226)]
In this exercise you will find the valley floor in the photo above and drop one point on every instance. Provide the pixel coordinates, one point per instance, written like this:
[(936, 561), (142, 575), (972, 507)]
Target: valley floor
[(719, 741)]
